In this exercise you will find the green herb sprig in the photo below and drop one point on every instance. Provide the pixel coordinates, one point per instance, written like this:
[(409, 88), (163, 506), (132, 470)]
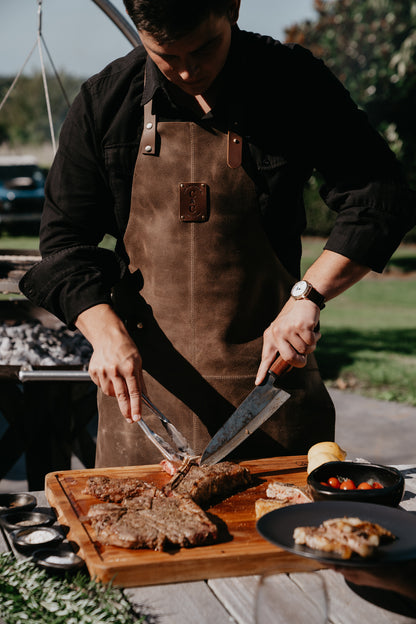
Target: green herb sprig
[(29, 595)]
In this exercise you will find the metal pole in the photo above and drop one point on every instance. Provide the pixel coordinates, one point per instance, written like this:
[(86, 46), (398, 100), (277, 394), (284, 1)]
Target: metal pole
[(53, 375), (120, 21)]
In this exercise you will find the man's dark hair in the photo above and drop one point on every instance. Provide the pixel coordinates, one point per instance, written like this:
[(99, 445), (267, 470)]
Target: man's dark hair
[(169, 20)]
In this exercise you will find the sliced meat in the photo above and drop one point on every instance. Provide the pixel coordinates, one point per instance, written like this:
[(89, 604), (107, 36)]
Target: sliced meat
[(361, 536), (149, 517), (207, 484), (152, 522), (115, 490), (288, 492), (344, 536), (316, 538), (102, 510)]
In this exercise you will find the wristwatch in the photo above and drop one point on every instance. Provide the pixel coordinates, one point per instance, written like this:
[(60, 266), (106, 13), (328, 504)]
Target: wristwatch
[(305, 290)]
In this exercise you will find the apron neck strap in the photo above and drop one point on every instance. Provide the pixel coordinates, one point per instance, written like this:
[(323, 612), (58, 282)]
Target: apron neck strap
[(148, 141)]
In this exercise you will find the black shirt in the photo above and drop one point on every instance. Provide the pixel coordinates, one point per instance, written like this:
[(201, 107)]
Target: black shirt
[(294, 116)]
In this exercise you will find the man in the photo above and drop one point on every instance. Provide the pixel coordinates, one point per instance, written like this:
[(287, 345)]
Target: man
[(193, 151)]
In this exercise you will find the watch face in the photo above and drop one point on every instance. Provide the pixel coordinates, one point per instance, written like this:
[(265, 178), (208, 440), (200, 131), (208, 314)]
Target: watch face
[(299, 288)]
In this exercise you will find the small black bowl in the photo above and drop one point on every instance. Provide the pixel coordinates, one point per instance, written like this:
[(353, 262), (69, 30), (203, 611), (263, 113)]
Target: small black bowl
[(59, 559), (390, 478), (13, 520), (30, 539), (16, 502)]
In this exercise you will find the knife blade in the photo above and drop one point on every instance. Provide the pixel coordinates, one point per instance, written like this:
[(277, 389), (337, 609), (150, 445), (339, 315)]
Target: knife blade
[(260, 404)]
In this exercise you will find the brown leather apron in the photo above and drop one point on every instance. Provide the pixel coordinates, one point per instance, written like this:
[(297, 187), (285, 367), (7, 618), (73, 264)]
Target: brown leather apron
[(209, 286)]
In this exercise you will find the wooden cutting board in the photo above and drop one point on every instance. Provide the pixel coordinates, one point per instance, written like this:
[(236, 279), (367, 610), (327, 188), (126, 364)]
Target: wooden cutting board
[(245, 552)]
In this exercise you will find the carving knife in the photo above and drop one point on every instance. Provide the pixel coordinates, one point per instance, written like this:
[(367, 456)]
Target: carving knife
[(260, 404)]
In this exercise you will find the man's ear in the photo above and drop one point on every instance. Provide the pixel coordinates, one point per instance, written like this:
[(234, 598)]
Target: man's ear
[(234, 11)]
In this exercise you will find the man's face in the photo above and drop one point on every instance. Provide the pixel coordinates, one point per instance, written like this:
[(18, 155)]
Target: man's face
[(193, 62)]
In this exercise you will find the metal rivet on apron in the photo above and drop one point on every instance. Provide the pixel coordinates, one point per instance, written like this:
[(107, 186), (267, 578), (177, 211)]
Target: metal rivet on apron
[(236, 141), (139, 325), (149, 125), (148, 148)]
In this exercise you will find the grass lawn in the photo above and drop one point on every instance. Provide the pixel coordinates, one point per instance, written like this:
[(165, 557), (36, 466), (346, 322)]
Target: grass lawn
[(368, 342), (368, 339)]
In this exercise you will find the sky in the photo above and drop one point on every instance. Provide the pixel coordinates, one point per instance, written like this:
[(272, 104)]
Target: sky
[(81, 39)]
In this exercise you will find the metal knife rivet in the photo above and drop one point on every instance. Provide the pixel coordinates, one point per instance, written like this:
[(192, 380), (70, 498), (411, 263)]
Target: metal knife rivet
[(148, 148), (149, 125)]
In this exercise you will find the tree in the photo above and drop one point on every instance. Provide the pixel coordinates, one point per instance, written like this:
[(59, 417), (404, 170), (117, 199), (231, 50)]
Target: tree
[(370, 45), (24, 118)]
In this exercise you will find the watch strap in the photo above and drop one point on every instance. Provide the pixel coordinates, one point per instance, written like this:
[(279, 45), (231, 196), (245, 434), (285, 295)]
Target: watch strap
[(316, 297)]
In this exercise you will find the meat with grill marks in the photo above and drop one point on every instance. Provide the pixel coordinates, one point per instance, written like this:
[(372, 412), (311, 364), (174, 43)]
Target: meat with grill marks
[(157, 522), (208, 484), (344, 536), (139, 515), (115, 490)]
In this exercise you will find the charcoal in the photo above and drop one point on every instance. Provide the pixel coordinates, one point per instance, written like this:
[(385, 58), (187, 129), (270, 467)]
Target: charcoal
[(32, 343)]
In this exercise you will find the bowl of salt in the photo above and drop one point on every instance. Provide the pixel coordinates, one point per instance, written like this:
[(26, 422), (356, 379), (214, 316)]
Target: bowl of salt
[(32, 538), (58, 559)]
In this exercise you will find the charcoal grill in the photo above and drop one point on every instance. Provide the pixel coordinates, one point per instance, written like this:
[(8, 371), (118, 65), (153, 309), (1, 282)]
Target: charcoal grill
[(51, 411)]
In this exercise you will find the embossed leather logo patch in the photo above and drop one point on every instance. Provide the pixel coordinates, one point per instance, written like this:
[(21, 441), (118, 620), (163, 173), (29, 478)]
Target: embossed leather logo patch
[(193, 202)]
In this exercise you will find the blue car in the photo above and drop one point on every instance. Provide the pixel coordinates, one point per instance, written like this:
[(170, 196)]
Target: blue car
[(22, 194)]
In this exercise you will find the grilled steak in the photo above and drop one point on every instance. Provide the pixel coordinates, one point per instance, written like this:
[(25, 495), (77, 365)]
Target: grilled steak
[(140, 515), (207, 484), (344, 536), (156, 522), (115, 490), (317, 539)]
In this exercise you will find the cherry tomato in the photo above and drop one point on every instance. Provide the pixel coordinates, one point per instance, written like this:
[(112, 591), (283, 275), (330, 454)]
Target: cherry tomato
[(348, 484), (377, 486), (333, 482), (364, 486)]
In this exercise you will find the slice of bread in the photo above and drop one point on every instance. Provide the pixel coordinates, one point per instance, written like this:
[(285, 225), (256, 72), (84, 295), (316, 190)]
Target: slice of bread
[(264, 505)]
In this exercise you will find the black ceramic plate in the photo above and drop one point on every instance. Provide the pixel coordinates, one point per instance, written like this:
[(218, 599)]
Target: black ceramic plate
[(19, 502), (13, 520), (59, 559), (278, 526)]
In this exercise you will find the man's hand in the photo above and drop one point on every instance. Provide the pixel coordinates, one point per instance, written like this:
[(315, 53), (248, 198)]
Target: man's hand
[(292, 334), (116, 365)]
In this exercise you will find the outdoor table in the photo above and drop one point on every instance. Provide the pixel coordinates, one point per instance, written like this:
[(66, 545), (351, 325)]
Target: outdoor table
[(232, 600)]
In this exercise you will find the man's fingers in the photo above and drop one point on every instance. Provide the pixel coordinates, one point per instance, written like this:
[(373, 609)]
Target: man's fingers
[(122, 395), (135, 398)]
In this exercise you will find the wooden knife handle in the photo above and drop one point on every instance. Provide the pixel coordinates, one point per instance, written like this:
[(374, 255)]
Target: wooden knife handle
[(280, 367)]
